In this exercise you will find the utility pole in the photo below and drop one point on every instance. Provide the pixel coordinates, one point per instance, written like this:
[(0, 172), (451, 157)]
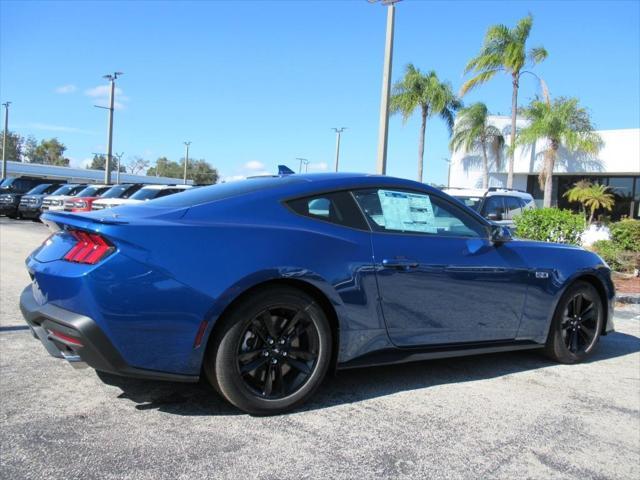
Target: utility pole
[(107, 165), (305, 161), (119, 156), (338, 132), (383, 129), (4, 139), (186, 160)]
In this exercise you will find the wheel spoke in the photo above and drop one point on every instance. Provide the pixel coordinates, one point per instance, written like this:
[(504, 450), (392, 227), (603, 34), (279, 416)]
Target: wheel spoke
[(257, 329), (268, 381), (302, 367), (268, 323), (588, 311), (574, 341), (577, 307), (291, 324), (279, 380), (251, 366), (246, 356), (303, 355), (588, 331)]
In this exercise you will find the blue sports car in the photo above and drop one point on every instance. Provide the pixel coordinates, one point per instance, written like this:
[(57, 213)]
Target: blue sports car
[(263, 285)]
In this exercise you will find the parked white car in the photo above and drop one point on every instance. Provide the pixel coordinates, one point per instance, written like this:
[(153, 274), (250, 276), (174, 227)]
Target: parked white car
[(65, 192), (143, 195), (500, 205)]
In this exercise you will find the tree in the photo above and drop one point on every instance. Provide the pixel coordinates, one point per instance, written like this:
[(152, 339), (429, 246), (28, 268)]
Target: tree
[(561, 123), (198, 170), (48, 152), (427, 92), (99, 162), (591, 197), (15, 144), (137, 165), (29, 150), (473, 133), (504, 50)]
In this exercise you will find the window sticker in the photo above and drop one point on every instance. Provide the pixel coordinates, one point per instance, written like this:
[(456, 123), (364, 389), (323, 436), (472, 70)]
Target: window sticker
[(407, 212)]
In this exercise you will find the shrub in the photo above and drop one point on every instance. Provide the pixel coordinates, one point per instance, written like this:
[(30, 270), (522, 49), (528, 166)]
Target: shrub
[(626, 234), (616, 257), (550, 225)]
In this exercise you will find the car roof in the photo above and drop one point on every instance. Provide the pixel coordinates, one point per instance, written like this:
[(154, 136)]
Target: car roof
[(481, 192)]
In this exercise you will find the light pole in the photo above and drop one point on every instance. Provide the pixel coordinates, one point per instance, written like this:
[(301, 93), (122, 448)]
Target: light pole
[(186, 160), (383, 130), (306, 163), (107, 165), (338, 132), (4, 139), (119, 156)]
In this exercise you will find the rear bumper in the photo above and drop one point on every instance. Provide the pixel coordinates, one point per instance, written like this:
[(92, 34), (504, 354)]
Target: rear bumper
[(79, 340)]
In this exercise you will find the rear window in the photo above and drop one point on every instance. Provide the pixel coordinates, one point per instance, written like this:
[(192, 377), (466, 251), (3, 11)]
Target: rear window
[(120, 191), (212, 193), (145, 194), (471, 202)]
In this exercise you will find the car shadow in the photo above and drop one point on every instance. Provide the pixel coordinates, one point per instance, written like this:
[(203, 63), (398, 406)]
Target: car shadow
[(350, 386)]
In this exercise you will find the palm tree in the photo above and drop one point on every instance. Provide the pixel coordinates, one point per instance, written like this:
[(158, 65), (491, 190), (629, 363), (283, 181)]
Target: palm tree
[(595, 197), (561, 122), (590, 195), (427, 92), (504, 50), (473, 133)]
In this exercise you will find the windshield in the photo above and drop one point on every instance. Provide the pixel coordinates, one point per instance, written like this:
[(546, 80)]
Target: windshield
[(471, 202), (6, 182), (115, 192), (39, 189), (91, 191), (67, 189), (145, 194)]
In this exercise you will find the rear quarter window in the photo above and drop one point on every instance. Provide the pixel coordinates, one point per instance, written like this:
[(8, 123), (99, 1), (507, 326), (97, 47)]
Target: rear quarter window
[(335, 207)]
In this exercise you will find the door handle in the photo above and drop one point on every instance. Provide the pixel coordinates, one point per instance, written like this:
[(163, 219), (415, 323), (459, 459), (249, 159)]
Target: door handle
[(399, 263)]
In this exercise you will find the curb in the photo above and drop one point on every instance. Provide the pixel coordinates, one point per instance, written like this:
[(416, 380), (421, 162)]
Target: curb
[(632, 298)]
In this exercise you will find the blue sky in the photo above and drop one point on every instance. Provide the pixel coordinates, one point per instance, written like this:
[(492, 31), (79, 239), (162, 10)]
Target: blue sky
[(255, 84)]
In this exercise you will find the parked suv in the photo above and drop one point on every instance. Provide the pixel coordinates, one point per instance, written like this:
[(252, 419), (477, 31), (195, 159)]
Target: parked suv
[(500, 205), (122, 190), (31, 201), (12, 189), (56, 201), (82, 201), (146, 193)]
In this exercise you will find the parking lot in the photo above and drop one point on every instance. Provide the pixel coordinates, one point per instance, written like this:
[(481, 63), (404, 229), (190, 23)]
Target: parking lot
[(513, 415)]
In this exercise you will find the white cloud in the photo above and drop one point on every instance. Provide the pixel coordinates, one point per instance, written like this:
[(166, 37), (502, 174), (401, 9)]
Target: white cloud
[(318, 167), (254, 165), (54, 128), (101, 95), (63, 89)]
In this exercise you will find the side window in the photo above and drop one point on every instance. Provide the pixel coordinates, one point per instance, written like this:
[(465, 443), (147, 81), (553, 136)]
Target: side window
[(494, 208), (167, 191), (513, 206), (335, 207), (413, 212)]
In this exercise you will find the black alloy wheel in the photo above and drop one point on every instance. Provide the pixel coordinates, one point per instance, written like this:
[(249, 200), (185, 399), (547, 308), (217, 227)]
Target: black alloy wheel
[(271, 351), (278, 351), (576, 325)]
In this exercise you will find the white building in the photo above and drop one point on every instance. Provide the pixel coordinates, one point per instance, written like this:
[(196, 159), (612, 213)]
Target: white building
[(617, 165)]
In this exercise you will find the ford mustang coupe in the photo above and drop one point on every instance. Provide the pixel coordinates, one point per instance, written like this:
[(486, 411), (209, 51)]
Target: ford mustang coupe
[(263, 285)]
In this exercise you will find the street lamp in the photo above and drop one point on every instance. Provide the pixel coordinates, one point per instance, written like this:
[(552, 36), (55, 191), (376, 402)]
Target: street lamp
[(107, 165), (383, 130), (186, 160), (119, 156), (4, 139), (338, 132), (305, 162)]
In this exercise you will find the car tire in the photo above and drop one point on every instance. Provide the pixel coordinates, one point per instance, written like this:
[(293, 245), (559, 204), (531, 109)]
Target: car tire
[(576, 325), (271, 352)]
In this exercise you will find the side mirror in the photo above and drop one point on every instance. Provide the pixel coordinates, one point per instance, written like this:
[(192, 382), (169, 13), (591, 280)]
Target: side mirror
[(500, 234), (494, 217)]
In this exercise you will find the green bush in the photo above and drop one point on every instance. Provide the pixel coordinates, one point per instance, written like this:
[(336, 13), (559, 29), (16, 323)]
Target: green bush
[(626, 234), (550, 225), (617, 258)]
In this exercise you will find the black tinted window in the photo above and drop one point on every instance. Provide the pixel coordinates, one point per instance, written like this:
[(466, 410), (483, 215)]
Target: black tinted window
[(42, 188), (513, 207), (494, 207), (335, 207)]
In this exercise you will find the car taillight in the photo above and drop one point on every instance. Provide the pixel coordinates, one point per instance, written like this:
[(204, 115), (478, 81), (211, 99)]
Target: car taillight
[(90, 248)]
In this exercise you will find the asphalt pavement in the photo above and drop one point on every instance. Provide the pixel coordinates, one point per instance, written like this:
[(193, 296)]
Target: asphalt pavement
[(513, 415)]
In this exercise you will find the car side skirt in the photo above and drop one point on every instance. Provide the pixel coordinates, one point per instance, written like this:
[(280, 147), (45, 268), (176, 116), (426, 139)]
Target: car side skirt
[(404, 355)]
